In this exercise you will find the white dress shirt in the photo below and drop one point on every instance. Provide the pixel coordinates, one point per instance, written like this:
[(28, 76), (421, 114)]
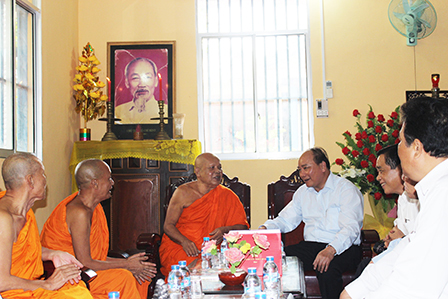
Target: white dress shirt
[(333, 215), (417, 267), (407, 213)]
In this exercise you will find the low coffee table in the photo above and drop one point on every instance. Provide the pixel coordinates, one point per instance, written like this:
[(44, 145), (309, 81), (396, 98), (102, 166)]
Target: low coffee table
[(293, 282)]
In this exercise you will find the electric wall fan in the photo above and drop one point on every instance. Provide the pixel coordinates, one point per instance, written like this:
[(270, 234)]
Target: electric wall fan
[(414, 19)]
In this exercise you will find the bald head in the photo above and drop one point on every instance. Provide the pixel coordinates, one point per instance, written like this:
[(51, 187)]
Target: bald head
[(204, 159), (17, 166), (88, 170)]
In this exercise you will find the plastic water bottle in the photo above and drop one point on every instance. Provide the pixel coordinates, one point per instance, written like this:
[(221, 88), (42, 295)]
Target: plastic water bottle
[(186, 280), (252, 284), (206, 257), (271, 279), (114, 295), (174, 282), (224, 248), (284, 267)]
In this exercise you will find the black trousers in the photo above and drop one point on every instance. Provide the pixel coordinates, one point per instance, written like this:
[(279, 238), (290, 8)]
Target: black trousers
[(330, 282)]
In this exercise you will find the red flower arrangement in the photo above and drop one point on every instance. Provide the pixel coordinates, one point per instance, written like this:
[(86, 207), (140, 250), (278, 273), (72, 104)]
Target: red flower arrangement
[(361, 152)]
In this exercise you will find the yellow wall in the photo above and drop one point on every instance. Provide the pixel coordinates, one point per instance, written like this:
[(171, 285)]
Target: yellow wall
[(367, 60)]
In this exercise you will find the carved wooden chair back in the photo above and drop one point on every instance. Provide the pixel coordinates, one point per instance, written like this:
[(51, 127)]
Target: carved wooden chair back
[(242, 190), (279, 195)]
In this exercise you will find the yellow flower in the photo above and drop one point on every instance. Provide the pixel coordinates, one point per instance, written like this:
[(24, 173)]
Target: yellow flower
[(90, 76), (78, 77), (96, 62), (92, 58), (78, 87), (245, 248), (95, 69), (82, 59), (103, 98), (82, 68), (94, 95), (100, 84)]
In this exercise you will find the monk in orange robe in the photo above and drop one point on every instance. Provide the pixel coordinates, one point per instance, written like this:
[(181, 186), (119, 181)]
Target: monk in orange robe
[(78, 225), (203, 208), (22, 254)]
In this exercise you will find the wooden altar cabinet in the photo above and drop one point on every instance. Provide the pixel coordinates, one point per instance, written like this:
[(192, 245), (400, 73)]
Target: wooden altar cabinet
[(141, 170)]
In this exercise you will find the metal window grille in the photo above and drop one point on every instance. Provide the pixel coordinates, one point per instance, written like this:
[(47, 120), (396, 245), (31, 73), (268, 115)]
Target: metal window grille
[(253, 84)]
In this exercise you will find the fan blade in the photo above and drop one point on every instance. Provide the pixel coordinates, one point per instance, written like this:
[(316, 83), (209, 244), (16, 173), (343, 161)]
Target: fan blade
[(424, 22), (399, 15), (406, 6), (420, 9)]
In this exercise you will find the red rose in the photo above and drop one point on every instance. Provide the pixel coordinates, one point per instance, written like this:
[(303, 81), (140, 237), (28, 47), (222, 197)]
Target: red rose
[(370, 178), (355, 153), (370, 124), (372, 139), (395, 133), (390, 123), (397, 141), (356, 112), (339, 161), (348, 133), (378, 195), (378, 147), (381, 118), (374, 163), (364, 164), (384, 137), (358, 136), (364, 135), (371, 115), (372, 158), (366, 151), (394, 115), (360, 143), (378, 129), (345, 151)]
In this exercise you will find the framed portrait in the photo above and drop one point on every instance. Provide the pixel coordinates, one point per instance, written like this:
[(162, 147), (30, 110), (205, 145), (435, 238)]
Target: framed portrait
[(142, 77)]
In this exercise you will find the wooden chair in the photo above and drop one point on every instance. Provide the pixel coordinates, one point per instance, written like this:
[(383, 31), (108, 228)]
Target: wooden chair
[(279, 195)]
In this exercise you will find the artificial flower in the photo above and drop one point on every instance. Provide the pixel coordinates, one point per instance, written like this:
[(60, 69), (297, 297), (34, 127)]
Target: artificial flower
[(209, 247), (261, 240), (233, 236)]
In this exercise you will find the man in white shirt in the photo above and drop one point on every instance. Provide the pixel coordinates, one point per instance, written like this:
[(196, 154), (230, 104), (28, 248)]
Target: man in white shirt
[(416, 267), (332, 209)]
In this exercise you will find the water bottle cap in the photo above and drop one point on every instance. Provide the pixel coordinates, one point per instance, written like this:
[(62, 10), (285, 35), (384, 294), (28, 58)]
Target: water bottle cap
[(206, 238), (114, 295), (269, 258), (252, 270), (182, 263), (174, 267), (260, 295)]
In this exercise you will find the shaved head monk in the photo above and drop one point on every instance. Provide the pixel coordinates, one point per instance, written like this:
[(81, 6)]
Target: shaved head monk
[(78, 225), (22, 253), (202, 208)]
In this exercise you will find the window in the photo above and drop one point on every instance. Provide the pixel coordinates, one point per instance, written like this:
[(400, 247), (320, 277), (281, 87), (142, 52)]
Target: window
[(253, 78), (19, 121)]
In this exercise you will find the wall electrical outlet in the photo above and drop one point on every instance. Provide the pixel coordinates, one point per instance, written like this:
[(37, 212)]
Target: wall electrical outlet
[(321, 107)]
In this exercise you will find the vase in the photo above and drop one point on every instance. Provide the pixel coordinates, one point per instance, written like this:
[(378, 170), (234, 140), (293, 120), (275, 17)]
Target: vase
[(232, 279), (84, 134)]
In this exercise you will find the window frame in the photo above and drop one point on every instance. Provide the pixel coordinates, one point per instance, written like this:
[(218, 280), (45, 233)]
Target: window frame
[(36, 49), (254, 34)]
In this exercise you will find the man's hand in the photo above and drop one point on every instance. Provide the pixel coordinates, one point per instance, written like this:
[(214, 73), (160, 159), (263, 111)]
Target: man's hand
[(190, 248), (61, 258), (61, 275), (142, 271), (217, 235), (394, 233), (323, 259)]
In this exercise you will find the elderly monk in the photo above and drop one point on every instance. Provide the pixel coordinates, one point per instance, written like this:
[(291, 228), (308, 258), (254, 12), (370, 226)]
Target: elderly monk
[(22, 253), (78, 226), (198, 209)]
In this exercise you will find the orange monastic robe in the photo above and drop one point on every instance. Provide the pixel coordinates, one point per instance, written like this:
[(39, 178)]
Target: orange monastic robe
[(55, 235), (26, 263), (220, 207)]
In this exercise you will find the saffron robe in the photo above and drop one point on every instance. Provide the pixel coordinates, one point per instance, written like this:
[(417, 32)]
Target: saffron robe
[(55, 235), (26, 262), (220, 207)]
